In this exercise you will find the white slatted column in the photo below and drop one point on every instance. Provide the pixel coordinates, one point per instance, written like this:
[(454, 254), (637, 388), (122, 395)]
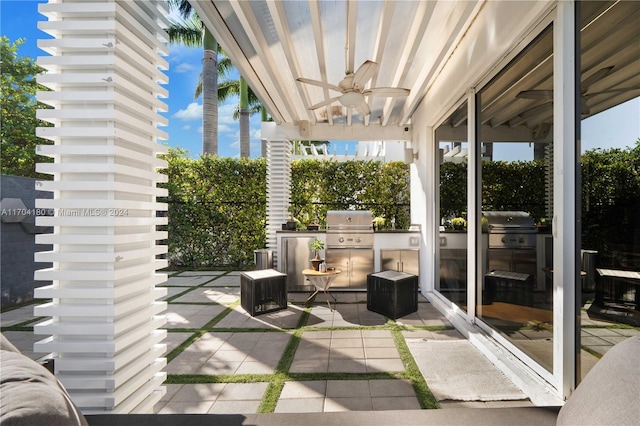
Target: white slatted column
[(278, 188), (105, 316)]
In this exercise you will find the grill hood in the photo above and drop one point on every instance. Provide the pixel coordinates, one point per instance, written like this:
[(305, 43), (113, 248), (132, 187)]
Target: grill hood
[(509, 221), (349, 221)]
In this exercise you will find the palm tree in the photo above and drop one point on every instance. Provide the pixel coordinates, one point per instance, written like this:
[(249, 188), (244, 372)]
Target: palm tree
[(245, 137), (192, 33), (248, 105)]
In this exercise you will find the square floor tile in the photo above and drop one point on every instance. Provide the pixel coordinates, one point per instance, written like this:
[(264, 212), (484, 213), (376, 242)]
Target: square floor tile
[(234, 407), (391, 388), (300, 405), (396, 403), (348, 404), (304, 389), (191, 407), (348, 388)]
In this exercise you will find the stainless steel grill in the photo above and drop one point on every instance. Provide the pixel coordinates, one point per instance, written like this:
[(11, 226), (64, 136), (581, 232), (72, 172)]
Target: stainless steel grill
[(349, 229), (511, 257), (511, 230), (350, 247)]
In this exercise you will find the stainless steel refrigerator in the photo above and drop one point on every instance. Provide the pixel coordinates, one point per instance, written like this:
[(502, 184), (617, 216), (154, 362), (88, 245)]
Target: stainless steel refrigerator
[(297, 257)]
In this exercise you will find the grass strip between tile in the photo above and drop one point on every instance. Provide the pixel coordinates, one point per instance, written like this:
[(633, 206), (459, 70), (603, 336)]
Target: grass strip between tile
[(274, 389)]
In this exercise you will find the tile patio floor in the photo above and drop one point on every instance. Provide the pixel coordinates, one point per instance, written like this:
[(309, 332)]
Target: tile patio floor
[(310, 359)]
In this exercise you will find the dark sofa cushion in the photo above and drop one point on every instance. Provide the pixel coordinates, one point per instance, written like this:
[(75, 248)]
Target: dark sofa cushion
[(610, 393), (30, 395)]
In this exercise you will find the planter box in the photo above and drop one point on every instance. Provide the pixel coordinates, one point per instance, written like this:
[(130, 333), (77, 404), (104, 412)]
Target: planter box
[(263, 291), (391, 293)]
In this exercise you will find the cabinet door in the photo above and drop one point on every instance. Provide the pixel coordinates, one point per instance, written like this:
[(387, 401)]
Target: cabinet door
[(410, 261), (390, 260), (297, 255), (339, 259), (361, 265)]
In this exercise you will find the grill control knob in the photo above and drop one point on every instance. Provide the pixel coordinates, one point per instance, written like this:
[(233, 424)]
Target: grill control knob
[(521, 240), (341, 240), (357, 240), (504, 239)]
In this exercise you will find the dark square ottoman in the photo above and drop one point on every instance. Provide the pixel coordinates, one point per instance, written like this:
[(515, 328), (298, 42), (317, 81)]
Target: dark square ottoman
[(263, 291), (391, 293)]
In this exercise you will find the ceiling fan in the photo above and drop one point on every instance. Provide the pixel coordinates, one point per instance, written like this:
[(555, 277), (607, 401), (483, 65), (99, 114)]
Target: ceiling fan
[(547, 95), (352, 89)]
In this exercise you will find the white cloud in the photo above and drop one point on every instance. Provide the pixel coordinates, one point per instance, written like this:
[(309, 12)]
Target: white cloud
[(179, 53), (200, 129), (225, 112), (184, 68), (192, 112), (225, 128), (186, 127)]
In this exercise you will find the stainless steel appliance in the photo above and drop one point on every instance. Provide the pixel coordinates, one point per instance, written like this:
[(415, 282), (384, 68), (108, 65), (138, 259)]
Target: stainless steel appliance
[(401, 260), (512, 248), (297, 252), (511, 230), (350, 247)]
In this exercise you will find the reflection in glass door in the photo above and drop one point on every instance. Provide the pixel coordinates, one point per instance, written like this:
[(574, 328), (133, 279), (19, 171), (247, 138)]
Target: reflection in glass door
[(516, 118), (610, 175), (452, 253)]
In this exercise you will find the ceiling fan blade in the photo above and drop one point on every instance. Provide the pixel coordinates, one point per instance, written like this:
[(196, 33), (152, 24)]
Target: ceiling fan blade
[(595, 77), (319, 84), (325, 102), (391, 92), (363, 109), (364, 74), (535, 94)]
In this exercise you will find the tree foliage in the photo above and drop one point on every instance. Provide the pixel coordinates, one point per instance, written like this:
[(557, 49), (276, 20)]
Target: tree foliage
[(18, 102)]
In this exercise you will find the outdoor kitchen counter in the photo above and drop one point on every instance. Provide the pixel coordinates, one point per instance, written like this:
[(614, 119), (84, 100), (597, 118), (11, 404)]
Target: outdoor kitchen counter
[(398, 239)]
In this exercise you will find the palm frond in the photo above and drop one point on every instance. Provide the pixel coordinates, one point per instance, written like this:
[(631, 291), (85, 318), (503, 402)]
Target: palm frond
[(225, 66), (183, 6), (198, 91), (228, 88), (187, 32)]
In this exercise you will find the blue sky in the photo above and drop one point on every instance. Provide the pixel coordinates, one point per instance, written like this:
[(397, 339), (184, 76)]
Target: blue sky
[(617, 127), (19, 18)]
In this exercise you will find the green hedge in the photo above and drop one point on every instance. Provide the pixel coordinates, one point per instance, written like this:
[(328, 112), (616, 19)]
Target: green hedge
[(217, 210), (514, 186), (217, 206), (611, 201), (318, 186), (610, 195)]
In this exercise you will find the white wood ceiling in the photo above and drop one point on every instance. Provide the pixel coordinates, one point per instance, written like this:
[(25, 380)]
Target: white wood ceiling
[(273, 43)]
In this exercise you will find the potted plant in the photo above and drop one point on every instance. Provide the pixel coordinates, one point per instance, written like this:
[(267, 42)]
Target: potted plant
[(316, 246), (458, 223), (314, 225)]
